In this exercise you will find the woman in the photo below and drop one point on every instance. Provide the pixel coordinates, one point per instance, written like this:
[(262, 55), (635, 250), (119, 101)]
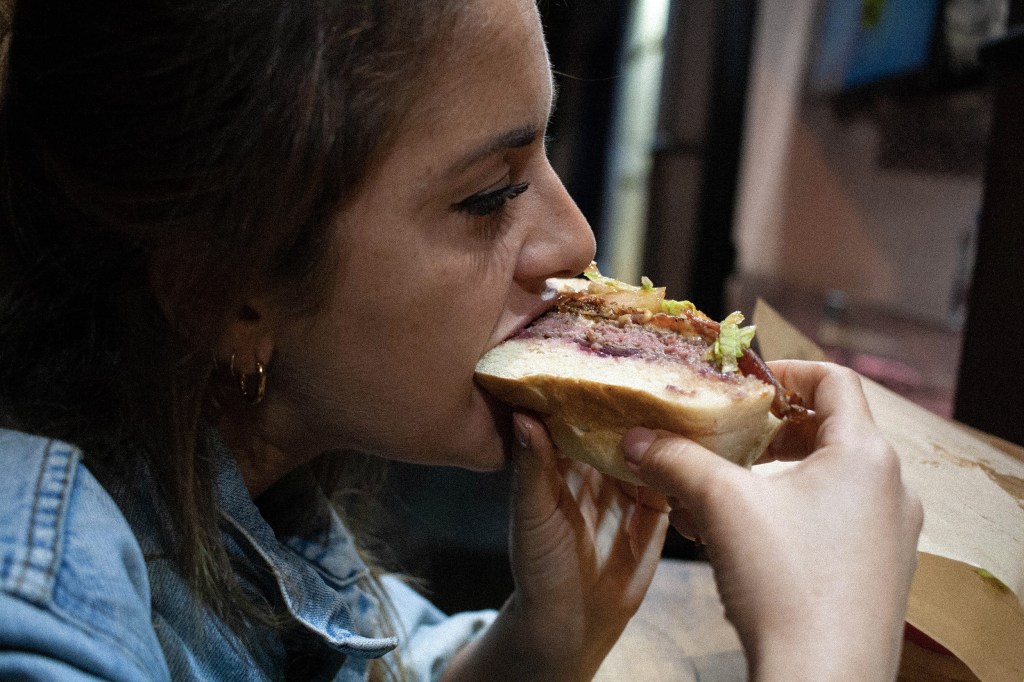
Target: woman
[(245, 244)]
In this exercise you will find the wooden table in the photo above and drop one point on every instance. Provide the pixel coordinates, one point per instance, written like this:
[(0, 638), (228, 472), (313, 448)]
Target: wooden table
[(680, 634)]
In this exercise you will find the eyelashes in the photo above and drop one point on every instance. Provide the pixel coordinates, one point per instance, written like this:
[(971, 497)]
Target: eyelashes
[(489, 203)]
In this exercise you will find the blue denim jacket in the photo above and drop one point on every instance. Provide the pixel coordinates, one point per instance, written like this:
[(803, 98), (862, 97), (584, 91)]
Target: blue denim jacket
[(85, 593)]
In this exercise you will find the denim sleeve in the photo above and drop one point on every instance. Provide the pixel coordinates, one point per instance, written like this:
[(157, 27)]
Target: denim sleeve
[(74, 592), (427, 637), (35, 645)]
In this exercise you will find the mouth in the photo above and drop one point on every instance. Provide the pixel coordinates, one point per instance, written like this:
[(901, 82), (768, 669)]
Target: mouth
[(546, 303), (501, 413)]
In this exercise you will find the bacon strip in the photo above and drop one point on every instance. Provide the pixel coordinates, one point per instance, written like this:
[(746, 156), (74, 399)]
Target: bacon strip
[(687, 323), (786, 404)]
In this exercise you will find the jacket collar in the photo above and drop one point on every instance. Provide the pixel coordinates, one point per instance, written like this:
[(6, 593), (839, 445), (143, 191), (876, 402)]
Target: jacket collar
[(319, 574)]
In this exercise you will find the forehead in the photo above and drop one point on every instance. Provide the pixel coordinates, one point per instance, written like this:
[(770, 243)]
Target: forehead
[(491, 72)]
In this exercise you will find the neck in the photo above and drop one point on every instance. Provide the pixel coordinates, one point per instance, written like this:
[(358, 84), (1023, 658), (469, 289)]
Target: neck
[(261, 463)]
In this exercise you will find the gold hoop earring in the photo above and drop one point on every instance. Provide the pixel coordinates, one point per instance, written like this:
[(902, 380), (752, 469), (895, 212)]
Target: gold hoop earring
[(253, 386)]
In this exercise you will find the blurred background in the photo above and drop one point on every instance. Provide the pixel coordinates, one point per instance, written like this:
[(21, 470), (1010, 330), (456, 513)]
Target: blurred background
[(855, 163)]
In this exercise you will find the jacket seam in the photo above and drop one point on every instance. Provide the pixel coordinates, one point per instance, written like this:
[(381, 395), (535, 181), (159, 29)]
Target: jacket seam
[(48, 571), (55, 486)]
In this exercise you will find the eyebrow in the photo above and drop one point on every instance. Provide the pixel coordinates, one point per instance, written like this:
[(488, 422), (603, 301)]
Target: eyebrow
[(523, 136)]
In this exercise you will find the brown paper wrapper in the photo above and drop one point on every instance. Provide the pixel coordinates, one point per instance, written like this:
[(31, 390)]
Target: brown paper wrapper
[(967, 591)]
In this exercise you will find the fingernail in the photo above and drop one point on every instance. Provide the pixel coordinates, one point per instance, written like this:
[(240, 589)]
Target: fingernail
[(635, 443), (522, 428)]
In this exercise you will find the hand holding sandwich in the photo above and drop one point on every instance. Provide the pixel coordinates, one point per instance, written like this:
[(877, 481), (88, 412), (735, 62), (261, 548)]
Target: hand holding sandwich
[(813, 564), (584, 548)]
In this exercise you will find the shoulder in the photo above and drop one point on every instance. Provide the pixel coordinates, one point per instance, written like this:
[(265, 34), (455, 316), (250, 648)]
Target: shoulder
[(73, 581)]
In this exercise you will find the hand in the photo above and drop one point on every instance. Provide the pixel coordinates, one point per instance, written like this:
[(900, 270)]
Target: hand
[(584, 548), (814, 563)]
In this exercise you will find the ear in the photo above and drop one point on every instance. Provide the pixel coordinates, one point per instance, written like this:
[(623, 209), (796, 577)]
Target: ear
[(248, 339)]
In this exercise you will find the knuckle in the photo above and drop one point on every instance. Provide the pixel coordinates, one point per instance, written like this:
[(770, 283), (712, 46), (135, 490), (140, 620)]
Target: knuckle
[(841, 376), (843, 372), (877, 454), (714, 485)]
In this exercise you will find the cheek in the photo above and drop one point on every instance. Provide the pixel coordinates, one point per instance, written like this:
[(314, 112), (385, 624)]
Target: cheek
[(402, 335), (429, 383), (440, 360), (414, 356), (426, 408)]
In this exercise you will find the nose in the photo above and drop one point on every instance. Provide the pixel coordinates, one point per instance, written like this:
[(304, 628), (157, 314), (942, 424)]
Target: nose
[(560, 242)]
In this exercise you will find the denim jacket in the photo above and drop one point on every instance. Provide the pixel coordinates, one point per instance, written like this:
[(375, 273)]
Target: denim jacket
[(86, 594)]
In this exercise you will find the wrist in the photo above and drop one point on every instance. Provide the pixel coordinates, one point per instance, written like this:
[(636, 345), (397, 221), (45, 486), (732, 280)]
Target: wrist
[(825, 653)]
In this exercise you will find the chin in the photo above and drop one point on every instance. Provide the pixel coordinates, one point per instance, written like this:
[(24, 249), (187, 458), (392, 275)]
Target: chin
[(477, 436), (487, 436)]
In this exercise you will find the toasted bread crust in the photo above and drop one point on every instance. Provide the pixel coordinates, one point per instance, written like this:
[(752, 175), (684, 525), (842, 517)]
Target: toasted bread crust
[(589, 401)]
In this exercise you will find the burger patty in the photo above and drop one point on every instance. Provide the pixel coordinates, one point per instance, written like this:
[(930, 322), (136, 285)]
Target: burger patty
[(625, 338)]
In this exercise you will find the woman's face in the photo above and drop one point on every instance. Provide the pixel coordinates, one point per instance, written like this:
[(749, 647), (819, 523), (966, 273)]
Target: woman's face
[(444, 254)]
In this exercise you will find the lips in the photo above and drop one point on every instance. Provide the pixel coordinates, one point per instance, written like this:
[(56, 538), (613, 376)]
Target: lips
[(524, 311), (543, 306)]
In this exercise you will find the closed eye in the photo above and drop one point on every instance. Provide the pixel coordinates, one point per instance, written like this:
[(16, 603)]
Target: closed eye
[(490, 202)]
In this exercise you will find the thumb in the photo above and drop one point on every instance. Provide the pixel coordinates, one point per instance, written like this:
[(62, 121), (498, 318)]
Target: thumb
[(673, 465)]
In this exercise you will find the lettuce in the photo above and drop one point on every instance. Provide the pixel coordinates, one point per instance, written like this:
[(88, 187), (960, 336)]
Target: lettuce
[(670, 307), (732, 341), (611, 283)]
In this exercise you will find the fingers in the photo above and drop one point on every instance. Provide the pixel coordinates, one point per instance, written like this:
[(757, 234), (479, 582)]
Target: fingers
[(644, 496), (841, 409), (824, 386), (536, 480), (793, 441), (806, 378), (675, 466)]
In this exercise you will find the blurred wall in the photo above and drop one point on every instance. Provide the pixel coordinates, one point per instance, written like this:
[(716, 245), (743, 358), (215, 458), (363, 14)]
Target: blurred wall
[(889, 237), (879, 201), (781, 47)]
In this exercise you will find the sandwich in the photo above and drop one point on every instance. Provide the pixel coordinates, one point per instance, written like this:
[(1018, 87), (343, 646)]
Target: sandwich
[(610, 356)]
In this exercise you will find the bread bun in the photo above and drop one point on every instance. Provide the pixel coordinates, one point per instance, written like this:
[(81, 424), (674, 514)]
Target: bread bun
[(588, 400)]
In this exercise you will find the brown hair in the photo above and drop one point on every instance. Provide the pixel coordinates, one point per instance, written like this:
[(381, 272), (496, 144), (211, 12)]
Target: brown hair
[(218, 137)]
